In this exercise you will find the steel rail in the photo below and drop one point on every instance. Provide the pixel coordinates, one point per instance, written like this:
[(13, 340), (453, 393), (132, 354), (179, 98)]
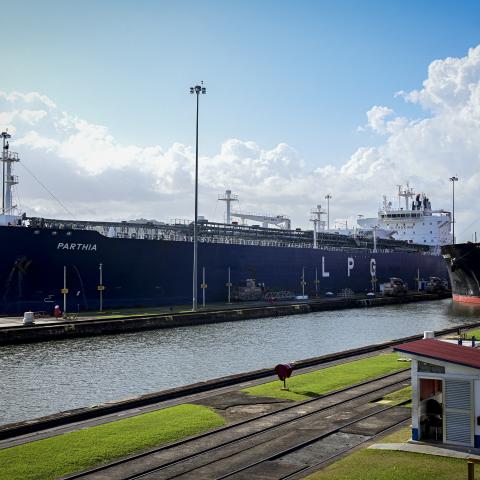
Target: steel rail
[(241, 423), (306, 443), (317, 465)]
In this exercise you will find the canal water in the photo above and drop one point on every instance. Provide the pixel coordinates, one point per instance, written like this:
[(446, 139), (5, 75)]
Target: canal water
[(44, 378)]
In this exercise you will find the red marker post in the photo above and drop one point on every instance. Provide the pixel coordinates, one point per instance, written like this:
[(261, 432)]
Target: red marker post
[(284, 371)]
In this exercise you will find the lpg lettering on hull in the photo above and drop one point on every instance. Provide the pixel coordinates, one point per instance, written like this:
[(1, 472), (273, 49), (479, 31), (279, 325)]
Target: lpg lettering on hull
[(83, 247), (350, 265), (373, 267), (325, 274)]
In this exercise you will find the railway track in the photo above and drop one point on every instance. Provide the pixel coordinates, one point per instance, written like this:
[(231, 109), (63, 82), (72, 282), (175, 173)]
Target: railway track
[(277, 442)]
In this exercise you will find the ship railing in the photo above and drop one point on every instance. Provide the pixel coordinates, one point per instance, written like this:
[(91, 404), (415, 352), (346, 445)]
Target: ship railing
[(213, 235)]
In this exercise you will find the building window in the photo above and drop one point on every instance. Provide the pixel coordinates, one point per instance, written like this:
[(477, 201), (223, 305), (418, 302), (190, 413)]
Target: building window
[(430, 368)]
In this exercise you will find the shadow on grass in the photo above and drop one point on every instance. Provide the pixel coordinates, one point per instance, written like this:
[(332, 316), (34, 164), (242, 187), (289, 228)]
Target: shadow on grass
[(310, 394)]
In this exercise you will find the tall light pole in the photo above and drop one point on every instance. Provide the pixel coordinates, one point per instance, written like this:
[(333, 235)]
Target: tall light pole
[(196, 90), (453, 180), (328, 198)]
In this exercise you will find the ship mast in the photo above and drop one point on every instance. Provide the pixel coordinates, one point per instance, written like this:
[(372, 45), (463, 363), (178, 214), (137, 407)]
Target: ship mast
[(8, 180), (318, 223), (228, 198), (407, 193)]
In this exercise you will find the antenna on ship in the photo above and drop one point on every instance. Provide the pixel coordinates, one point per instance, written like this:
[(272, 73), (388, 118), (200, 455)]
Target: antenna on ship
[(8, 180), (228, 198), (318, 223), (407, 193)]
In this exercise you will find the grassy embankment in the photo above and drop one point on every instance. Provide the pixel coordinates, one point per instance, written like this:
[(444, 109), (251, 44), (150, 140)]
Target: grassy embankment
[(397, 397), (473, 333), (391, 465), (302, 387), (71, 452)]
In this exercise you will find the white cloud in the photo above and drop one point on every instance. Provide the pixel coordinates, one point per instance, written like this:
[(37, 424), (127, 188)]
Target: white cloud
[(450, 83), (99, 177), (376, 118), (30, 98)]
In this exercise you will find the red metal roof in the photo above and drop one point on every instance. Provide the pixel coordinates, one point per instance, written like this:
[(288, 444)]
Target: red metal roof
[(448, 352)]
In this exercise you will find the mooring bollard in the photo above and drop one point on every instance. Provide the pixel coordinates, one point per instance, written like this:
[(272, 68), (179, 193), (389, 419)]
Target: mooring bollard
[(28, 318)]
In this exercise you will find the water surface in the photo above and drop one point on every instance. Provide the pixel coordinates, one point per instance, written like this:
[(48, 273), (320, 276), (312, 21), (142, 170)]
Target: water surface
[(44, 378)]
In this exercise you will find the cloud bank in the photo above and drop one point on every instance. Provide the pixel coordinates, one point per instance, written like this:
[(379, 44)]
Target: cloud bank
[(98, 177)]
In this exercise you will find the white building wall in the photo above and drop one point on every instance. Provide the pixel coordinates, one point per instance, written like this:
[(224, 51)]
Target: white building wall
[(452, 371)]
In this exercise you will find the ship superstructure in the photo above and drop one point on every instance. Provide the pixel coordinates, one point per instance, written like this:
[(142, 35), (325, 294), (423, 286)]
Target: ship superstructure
[(414, 222)]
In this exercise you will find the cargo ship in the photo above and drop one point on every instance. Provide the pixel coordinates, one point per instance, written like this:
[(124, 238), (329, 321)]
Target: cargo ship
[(87, 265), (463, 263)]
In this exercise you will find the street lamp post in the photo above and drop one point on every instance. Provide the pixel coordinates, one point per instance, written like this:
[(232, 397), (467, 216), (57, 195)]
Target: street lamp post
[(196, 90), (328, 198), (453, 180)]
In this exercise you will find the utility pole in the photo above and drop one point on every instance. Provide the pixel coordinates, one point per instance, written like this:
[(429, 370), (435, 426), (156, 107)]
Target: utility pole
[(64, 289), (229, 285), (303, 282), (100, 285), (328, 197), (453, 180), (196, 90), (203, 286)]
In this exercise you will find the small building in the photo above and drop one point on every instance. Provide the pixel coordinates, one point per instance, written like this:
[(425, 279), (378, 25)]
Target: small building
[(445, 392)]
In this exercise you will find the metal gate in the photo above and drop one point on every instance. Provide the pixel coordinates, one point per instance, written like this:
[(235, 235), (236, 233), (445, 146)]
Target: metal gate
[(458, 412)]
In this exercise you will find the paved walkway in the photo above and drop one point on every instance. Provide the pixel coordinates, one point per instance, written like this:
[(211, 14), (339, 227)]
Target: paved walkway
[(11, 321), (427, 449)]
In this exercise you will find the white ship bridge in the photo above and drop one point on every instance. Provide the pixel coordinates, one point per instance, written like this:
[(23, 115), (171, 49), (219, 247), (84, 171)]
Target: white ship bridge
[(415, 222)]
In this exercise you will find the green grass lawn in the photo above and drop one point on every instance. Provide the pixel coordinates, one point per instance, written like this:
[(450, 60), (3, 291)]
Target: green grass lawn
[(390, 465), (398, 396), (325, 380), (71, 452), (473, 333)]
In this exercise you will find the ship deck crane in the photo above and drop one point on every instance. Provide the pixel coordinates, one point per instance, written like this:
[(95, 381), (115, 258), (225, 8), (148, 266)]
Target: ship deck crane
[(281, 221)]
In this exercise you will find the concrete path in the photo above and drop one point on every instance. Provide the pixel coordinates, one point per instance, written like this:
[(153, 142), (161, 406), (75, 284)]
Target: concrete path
[(16, 321), (440, 451)]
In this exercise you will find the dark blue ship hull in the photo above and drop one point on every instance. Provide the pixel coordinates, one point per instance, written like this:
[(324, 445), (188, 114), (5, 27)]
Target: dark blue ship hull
[(159, 272)]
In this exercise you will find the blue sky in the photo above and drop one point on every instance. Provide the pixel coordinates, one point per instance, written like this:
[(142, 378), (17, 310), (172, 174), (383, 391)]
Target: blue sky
[(303, 73), (300, 102)]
